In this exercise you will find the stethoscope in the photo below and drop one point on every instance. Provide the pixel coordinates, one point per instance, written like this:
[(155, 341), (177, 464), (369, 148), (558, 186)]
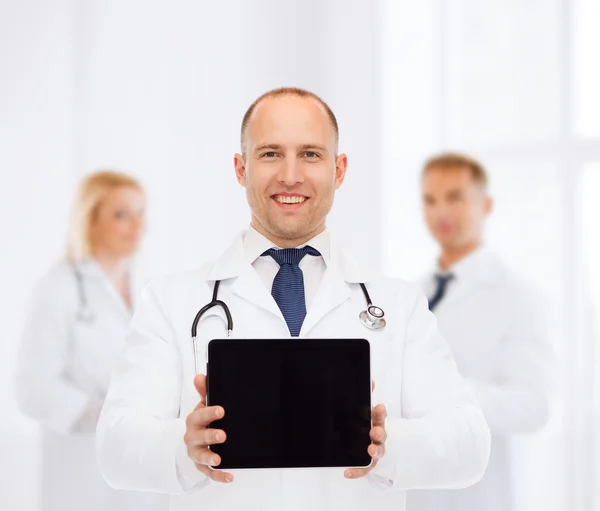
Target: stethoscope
[(372, 318), (84, 313)]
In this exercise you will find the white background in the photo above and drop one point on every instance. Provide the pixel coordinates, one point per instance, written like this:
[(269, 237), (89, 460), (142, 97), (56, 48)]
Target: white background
[(158, 89)]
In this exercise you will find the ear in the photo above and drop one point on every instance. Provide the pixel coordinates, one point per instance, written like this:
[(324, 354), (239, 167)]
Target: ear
[(240, 169), (488, 205), (341, 164)]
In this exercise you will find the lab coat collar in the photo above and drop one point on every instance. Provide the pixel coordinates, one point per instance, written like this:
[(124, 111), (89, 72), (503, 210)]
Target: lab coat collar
[(234, 261), (255, 244), (481, 265), (341, 271), (91, 269)]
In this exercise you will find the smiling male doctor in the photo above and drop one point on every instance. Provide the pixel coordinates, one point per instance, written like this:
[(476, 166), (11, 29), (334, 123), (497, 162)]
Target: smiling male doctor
[(285, 276)]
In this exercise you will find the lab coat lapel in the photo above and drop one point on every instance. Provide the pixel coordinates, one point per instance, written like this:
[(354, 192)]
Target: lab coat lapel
[(247, 284), (137, 281), (92, 271), (335, 287), (479, 272), (251, 288), (332, 292), (457, 293)]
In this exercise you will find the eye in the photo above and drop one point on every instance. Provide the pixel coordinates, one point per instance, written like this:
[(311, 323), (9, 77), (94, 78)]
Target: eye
[(311, 155), (269, 154)]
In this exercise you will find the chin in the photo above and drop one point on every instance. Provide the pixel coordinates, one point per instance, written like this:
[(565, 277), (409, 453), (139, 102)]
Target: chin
[(290, 231), (130, 251), (447, 242)]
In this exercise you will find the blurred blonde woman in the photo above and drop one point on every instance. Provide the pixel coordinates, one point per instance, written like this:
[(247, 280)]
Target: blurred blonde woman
[(79, 315)]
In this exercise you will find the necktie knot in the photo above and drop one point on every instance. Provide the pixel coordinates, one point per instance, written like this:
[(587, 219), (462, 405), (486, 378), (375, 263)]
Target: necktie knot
[(291, 256), (442, 281)]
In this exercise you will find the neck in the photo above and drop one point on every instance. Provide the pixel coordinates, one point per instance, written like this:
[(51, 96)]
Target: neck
[(114, 266), (451, 255), (287, 242)]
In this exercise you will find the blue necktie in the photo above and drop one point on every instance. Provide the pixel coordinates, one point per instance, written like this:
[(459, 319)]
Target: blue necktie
[(440, 291), (288, 286)]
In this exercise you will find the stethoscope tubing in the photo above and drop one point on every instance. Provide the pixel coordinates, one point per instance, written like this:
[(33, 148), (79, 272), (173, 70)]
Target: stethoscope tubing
[(370, 320)]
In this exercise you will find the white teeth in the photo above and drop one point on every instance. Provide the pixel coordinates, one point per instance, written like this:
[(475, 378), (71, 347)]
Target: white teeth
[(290, 200)]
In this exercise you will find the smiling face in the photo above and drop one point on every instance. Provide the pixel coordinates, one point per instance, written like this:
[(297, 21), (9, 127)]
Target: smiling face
[(290, 168)]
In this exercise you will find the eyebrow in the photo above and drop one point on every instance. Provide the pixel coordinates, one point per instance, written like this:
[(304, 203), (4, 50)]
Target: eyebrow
[(303, 147), (306, 147), (275, 147)]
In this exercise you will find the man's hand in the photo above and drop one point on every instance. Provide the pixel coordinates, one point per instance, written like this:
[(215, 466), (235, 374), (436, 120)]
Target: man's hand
[(198, 437), (377, 447)]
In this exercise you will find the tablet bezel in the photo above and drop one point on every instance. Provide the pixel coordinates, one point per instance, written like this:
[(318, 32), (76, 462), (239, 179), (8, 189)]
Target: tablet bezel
[(224, 465)]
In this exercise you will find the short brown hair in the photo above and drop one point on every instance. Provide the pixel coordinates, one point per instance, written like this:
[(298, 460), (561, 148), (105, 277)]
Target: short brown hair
[(289, 91), (458, 160)]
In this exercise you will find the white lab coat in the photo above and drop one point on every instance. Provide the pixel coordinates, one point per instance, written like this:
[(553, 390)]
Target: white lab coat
[(63, 373), (495, 324), (437, 436)]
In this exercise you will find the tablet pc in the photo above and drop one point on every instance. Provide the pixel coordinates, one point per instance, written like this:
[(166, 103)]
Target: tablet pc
[(291, 403)]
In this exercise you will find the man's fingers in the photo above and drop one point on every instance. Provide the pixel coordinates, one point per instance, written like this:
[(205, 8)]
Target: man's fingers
[(376, 451), (204, 456), (204, 437), (357, 473), (203, 416), (372, 385), (216, 475), (378, 415), (354, 473), (378, 435), (200, 384)]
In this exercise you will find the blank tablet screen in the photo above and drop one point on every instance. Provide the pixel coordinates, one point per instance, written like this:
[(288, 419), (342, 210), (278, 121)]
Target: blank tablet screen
[(291, 402)]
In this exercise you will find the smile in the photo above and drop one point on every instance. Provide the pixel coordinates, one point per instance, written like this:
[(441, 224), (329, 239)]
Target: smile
[(290, 199)]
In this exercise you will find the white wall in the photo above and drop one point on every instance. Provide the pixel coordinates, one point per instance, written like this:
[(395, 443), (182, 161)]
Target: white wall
[(37, 176)]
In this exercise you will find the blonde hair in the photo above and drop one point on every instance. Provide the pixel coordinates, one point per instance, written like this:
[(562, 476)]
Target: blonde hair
[(456, 160), (91, 192)]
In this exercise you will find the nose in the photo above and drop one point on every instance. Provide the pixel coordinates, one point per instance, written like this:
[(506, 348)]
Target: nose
[(290, 173), (435, 213), (442, 216), (137, 222)]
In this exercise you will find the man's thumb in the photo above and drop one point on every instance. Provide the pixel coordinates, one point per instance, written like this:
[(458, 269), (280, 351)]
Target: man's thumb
[(200, 384)]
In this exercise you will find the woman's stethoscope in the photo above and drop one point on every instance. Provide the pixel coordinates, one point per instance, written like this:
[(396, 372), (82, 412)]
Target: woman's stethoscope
[(372, 317), (84, 313)]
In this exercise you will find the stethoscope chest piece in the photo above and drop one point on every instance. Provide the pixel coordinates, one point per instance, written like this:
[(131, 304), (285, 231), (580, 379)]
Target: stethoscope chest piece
[(373, 318), (85, 315)]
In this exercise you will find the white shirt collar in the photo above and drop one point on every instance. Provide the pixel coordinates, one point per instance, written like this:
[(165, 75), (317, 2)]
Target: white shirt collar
[(477, 265), (255, 244), (233, 262)]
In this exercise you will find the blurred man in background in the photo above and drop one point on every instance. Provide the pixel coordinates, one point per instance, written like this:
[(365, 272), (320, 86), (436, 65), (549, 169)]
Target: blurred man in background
[(493, 321)]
